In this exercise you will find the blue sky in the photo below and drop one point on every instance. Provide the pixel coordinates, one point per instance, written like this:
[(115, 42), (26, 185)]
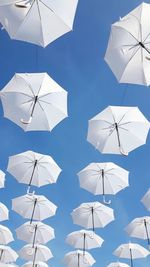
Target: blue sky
[(76, 62)]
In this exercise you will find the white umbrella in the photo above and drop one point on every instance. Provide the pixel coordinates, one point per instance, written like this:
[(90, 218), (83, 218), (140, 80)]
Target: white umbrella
[(38, 253), (4, 212), (39, 21), (36, 264), (5, 235), (103, 178), (37, 232), (78, 259), (139, 228), (128, 51), (34, 101), (2, 179), (33, 168), (84, 240), (146, 200), (7, 254), (92, 215), (34, 207), (118, 130), (118, 264), (131, 251)]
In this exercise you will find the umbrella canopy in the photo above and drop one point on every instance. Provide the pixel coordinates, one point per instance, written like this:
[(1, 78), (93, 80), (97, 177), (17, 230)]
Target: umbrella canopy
[(34, 207), (139, 228), (118, 130), (36, 264), (78, 259), (4, 212), (5, 235), (146, 200), (34, 101), (103, 178), (38, 253), (2, 179), (84, 240), (33, 168), (92, 215), (118, 264), (128, 51), (131, 251), (7, 254), (37, 21), (37, 232)]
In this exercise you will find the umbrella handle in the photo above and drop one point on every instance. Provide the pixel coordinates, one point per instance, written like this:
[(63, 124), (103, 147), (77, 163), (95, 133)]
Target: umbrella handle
[(26, 122), (123, 152), (107, 202)]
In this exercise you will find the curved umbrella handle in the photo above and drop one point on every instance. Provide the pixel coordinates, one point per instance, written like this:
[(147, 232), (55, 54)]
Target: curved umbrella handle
[(123, 152), (107, 202), (26, 122)]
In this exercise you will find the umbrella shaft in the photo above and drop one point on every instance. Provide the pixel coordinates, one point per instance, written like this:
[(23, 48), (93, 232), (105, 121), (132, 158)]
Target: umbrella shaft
[(143, 46), (84, 240), (78, 260), (147, 232), (118, 137), (93, 220), (34, 236), (35, 100), (34, 257), (33, 211), (131, 258), (1, 254), (103, 182), (35, 163)]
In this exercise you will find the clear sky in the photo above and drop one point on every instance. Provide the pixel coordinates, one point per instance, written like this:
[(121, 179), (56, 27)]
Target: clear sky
[(76, 62)]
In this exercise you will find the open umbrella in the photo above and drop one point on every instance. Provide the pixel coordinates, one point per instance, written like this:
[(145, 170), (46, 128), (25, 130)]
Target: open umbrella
[(92, 215), (139, 228), (103, 178), (33, 169), (38, 253), (77, 259), (5, 235), (146, 200), (118, 264), (37, 232), (131, 251), (4, 212), (34, 101), (37, 21), (118, 130), (84, 240), (2, 179), (34, 207), (7, 254), (36, 264), (128, 51)]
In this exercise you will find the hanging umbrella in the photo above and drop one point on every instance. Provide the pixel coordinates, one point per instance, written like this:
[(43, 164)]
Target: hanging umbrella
[(37, 232), (77, 259), (7, 254), (131, 251), (146, 200), (92, 215), (5, 235), (103, 178), (118, 264), (39, 21), (34, 101), (38, 253), (2, 179), (118, 130), (84, 240), (140, 228), (128, 51), (4, 212), (36, 264), (33, 169), (33, 207)]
